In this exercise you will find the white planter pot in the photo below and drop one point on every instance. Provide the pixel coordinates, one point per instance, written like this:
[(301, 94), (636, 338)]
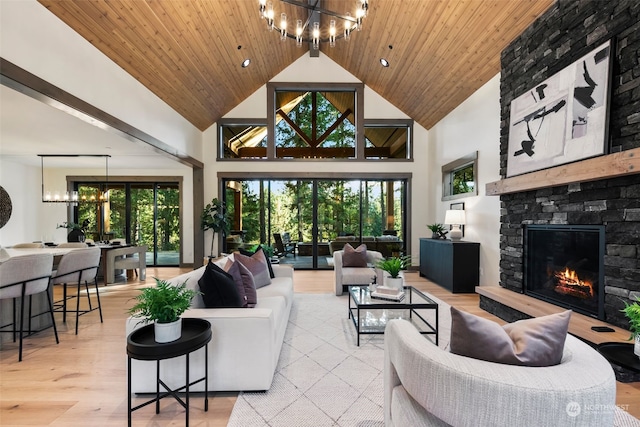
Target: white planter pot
[(168, 332), (393, 283), (636, 346)]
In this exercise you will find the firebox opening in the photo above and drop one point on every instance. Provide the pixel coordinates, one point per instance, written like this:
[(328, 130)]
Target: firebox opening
[(564, 265)]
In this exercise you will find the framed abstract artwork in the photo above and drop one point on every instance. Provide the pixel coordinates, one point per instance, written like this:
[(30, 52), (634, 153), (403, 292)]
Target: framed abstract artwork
[(564, 118)]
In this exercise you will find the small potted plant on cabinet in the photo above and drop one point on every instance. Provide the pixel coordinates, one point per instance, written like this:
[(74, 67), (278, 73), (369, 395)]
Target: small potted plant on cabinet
[(632, 311), (163, 305), (393, 266), (438, 231)]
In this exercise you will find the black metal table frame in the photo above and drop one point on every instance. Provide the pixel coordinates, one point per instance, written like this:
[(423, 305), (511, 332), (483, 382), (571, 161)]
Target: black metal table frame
[(169, 391), (392, 305)]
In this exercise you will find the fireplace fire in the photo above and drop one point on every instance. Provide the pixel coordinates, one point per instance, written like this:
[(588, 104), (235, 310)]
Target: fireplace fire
[(568, 283), (564, 265)]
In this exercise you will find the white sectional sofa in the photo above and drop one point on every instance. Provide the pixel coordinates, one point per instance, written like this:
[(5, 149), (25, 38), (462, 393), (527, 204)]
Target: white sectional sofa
[(244, 349)]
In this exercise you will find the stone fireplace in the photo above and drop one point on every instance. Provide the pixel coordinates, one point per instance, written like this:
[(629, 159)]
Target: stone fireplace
[(610, 203), (564, 265)]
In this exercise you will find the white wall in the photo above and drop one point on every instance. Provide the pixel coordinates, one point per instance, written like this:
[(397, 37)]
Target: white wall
[(473, 125), (22, 183), (323, 70)]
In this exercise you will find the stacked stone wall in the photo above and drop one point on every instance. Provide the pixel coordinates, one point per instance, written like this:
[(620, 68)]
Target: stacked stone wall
[(566, 32)]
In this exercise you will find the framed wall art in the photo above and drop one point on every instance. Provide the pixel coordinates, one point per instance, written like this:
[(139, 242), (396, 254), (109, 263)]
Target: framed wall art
[(564, 118)]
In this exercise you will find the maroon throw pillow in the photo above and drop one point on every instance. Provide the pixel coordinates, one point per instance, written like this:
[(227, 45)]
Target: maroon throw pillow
[(257, 265), (354, 257), (260, 249), (244, 282)]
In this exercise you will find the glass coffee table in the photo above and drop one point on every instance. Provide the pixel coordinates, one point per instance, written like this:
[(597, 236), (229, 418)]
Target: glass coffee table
[(370, 315)]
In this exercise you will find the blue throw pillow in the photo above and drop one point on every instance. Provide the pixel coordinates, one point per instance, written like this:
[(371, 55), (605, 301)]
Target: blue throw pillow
[(218, 288)]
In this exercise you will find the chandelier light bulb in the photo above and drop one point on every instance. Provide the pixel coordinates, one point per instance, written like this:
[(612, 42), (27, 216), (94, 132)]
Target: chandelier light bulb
[(359, 16), (347, 28), (364, 5), (299, 33), (316, 35), (47, 196), (283, 26), (66, 196), (56, 196), (74, 196), (263, 6), (332, 33), (270, 15)]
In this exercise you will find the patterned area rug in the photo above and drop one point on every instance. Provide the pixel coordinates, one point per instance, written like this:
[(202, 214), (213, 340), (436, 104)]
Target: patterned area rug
[(323, 378)]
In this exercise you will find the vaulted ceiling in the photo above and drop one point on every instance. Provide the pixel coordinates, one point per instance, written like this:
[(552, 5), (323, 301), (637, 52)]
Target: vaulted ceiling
[(189, 52)]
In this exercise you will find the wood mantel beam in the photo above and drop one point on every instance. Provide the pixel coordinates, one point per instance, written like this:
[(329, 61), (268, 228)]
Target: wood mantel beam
[(610, 166)]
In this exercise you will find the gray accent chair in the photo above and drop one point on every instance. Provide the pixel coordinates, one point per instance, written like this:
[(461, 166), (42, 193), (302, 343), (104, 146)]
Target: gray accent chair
[(425, 385), (21, 277), (346, 276), (76, 268)]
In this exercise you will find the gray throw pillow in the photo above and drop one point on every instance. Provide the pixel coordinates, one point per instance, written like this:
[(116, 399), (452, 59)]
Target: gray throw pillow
[(257, 265), (531, 342), (354, 257)]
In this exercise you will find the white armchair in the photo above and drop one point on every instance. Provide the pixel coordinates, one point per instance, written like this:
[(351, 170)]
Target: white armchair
[(354, 275), (427, 386)]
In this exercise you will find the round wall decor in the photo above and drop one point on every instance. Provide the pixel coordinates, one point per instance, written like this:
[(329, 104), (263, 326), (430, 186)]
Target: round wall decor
[(5, 207)]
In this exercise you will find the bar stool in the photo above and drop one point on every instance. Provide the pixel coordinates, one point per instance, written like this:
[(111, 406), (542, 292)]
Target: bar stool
[(75, 268), (23, 276)]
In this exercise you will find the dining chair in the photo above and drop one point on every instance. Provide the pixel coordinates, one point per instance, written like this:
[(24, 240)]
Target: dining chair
[(72, 245), (37, 245), (23, 276), (76, 268)]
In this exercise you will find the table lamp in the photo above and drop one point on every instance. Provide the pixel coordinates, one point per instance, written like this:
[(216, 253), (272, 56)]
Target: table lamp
[(456, 218)]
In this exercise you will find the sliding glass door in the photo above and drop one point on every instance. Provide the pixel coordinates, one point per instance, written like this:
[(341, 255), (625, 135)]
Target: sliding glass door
[(139, 213), (315, 216)]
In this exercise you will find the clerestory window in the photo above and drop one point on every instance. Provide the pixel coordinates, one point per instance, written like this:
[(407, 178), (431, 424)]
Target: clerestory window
[(314, 121)]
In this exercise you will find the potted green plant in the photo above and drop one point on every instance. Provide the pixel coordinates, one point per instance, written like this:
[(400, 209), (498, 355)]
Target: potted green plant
[(214, 218), (438, 231), (393, 266), (632, 311), (163, 304)]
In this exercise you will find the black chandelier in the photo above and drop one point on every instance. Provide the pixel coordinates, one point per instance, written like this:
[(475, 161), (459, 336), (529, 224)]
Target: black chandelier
[(72, 198), (315, 35)]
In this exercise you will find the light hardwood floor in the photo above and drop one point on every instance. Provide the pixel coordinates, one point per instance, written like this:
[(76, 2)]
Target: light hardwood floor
[(82, 381)]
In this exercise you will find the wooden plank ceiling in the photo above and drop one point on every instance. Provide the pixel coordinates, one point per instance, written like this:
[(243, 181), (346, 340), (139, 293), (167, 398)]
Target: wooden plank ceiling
[(189, 52)]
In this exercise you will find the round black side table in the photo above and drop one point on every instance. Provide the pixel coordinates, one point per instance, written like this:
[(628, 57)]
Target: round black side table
[(626, 365), (141, 345)]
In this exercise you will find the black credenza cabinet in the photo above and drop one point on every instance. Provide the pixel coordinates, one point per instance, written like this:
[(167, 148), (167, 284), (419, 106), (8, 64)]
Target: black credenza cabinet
[(452, 265)]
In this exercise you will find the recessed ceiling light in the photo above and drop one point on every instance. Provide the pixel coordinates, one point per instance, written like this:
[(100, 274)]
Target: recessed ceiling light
[(246, 63), (384, 62)]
